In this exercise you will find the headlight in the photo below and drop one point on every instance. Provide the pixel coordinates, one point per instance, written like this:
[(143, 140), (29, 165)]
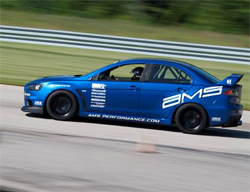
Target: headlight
[(35, 87)]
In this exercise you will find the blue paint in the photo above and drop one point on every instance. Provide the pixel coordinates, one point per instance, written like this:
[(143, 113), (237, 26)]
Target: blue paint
[(143, 101)]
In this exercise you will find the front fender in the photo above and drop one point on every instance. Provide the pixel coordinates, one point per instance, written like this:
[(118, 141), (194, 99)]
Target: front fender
[(39, 98)]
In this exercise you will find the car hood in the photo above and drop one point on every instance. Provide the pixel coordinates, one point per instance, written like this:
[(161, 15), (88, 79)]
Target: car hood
[(56, 78)]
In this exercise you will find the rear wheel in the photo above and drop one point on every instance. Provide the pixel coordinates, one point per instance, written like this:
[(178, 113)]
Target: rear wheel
[(61, 105), (191, 118)]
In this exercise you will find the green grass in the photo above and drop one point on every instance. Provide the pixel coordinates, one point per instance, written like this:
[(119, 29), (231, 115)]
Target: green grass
[(121, 28), (21, 63)]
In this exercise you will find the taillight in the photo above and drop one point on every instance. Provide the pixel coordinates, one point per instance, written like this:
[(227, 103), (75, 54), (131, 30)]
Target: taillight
[(235, 95), (232, 92), (228, 92)]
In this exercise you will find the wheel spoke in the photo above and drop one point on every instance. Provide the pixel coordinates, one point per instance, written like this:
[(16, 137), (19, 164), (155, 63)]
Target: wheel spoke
[(191, 119), (61, 105)]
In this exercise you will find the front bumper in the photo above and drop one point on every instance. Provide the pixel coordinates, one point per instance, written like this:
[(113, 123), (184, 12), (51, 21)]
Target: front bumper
[(37, 110)]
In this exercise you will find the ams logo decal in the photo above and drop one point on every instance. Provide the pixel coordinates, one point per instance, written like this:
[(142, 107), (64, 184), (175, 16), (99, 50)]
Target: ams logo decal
[(180, 98)]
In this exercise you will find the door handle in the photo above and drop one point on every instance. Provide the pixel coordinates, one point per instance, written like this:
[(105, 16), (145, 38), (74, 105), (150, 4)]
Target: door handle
[(181, 90), (132, 87)]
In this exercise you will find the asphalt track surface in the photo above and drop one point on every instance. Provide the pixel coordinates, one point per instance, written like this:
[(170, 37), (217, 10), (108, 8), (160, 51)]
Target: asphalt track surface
[(41, 154)]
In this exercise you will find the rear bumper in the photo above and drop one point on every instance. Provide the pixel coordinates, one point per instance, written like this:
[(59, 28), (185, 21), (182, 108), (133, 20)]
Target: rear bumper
[(37, 110), (225, 116), (233, 122)]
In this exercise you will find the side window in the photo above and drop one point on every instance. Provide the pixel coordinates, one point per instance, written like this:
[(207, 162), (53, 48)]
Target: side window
[(184, 78), (167, 74), (131, 72)]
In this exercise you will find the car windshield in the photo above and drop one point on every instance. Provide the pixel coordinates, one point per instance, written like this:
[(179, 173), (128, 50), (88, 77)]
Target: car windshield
[(205, 74), (85, 74)]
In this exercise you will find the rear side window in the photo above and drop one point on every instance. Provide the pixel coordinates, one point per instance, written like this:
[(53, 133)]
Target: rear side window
[(167, 74)]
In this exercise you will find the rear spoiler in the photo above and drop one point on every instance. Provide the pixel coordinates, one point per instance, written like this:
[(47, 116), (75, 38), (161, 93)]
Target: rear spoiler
[(231, 80)]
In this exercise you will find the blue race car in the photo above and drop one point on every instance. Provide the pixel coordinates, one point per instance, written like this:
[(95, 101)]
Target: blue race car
[(141, 90)]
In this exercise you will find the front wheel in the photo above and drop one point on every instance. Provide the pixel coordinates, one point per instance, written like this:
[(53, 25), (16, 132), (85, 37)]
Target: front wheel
[(61, 105), (191, 118)]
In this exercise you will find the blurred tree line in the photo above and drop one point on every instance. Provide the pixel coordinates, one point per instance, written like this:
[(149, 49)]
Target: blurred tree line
[(230, 16)]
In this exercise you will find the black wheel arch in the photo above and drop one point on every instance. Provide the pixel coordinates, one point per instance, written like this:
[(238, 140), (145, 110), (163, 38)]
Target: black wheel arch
[(174, 113), (44, 105)]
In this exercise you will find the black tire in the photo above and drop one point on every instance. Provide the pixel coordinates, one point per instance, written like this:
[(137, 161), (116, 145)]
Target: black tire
[(191, 118), (61, 105)]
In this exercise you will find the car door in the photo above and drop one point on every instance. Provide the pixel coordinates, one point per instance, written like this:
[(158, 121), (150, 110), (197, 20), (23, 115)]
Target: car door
[(161, 92), (115, 91)]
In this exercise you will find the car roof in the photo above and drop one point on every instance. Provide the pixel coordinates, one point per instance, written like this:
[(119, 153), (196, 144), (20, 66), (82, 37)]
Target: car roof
[(180, 63)]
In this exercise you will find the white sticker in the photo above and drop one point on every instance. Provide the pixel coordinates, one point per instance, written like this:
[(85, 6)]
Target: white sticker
[(126, 118), (58, 85), (229, 81), (98, 86), (98, 95), (181, 98), (38, 102), (218, 119)]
